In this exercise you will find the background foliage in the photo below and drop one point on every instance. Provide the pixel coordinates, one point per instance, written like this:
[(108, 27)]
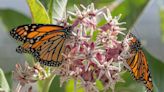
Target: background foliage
[(130, 10)]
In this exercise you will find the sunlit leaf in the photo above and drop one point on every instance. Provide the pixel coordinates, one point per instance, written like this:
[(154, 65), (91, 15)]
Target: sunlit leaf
[(38, 12), (95, 33), (99, 85), (4, 86), (162, 23), (70, 87), (44, 85), (9, 78)]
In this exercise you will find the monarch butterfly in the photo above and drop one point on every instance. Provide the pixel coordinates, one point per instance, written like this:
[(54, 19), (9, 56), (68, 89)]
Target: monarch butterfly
[(138, 63), (46, 42)]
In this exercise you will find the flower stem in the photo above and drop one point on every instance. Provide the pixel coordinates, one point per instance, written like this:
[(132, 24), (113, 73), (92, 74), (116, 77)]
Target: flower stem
[(18, 88)]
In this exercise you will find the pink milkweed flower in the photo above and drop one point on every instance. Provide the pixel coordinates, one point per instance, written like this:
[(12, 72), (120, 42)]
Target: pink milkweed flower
[(114, 53), (26, 75), (87, 60)]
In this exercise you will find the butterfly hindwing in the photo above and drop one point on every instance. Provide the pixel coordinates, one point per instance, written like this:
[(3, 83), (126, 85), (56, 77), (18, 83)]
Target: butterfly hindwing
[(146, 73), (45, 42), (51, 51)]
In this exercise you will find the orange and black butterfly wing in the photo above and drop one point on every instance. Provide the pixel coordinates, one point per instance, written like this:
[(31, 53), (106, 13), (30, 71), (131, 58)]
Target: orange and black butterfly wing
[(37, 37), (134, 66), (50, 52), (138, 63), (139, 69), (31, 35), (31, 32), (146, 77)]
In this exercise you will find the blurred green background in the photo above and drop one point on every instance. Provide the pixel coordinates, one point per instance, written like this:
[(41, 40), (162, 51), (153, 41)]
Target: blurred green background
[(145, 18)]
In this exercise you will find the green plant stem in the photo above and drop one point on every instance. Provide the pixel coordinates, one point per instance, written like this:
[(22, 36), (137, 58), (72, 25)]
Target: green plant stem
[(162, 23), (44, 85), (50, 7)]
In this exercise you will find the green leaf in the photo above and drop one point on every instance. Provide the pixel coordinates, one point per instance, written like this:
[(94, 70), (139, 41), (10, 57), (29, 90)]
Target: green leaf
[(4, 86), (162, 23), (55, 85), (44, 85), (9, 78), (45, 3), (12, 18), (57, 9), (70, 87), (130, 84), (39, 14), (99, 85), (95, 33)]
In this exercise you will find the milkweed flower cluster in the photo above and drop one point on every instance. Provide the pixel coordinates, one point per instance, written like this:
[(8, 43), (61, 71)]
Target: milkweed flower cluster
[(93, 52), (26, 74)]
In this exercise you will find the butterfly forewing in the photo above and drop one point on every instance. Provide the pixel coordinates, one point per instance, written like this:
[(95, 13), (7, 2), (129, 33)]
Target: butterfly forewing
[(26, 32), (45, 42), (138, 63)]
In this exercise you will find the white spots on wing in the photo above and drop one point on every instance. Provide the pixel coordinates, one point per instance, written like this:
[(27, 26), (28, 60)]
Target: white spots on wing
[(26, 28), (24, 38), (31, 41), (32, 29), (38, 38), (30, 45), (25, 33), (33, 26)]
